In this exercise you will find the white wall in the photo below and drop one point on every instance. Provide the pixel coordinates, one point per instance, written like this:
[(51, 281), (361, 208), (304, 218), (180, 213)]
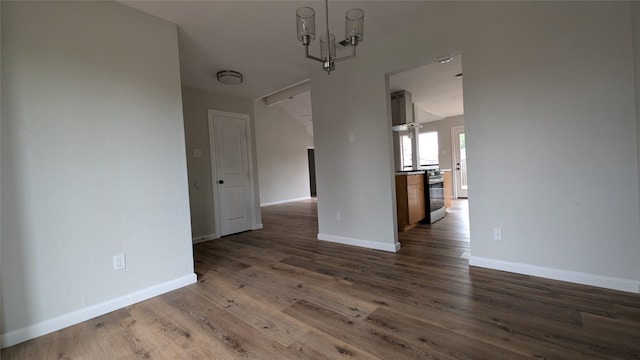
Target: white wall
[(354, 178), (550, 124), (443, 128), (93, 163), (541, 140), (1, 115), (196, 103), (636, 52), (282, 143)]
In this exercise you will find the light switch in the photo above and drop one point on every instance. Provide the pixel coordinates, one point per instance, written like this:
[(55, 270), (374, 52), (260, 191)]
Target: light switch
[(352, 138), (197, 153)]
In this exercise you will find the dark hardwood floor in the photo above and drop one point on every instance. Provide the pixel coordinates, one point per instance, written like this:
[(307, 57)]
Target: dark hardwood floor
[(278, 293)]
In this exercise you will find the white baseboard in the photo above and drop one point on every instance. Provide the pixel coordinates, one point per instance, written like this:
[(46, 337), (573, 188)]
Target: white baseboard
[(204, 238), (48, 326), (284, 201), (606, 282), (257, 227), (360, 242)]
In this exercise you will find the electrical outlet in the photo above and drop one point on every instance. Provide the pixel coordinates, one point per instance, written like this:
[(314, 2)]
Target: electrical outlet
[(338, 216), (119, 262), (497, 234)]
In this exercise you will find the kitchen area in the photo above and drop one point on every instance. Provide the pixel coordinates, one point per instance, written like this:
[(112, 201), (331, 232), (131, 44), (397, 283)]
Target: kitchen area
[(427, 124), (422, 189)]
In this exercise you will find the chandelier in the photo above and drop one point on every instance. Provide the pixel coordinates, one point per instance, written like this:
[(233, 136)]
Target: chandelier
[(353, 29)]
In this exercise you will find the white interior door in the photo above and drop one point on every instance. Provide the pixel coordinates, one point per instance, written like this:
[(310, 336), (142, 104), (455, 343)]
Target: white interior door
[(460, 161), (231, 172)]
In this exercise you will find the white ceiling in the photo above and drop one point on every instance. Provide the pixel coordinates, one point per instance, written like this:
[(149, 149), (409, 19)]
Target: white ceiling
[(300, 108), (258, 39), (434, 89)]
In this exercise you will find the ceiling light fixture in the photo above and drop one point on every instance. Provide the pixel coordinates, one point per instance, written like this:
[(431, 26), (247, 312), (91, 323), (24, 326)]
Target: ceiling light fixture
[(229, 77), (444, 59), (353, 28)]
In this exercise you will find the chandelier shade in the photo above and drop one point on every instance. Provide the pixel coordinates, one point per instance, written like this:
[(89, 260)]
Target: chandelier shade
[(354, 24), (306, 23), (331, 46)]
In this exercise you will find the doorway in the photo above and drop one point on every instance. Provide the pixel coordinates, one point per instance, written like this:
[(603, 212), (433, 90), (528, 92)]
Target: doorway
[(312, 172), (231, 172), (460, 161), (436, 93)]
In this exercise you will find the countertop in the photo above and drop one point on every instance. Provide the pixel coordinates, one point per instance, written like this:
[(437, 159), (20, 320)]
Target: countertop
[(416, 172)]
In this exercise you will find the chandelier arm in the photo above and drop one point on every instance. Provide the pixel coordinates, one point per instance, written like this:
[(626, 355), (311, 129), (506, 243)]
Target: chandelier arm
[(314, 58), (344, 58), (348, 57), (306, 54)]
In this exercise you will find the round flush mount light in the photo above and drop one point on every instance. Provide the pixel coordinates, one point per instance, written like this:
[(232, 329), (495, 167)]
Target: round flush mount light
[(444, 59), (229, 77)]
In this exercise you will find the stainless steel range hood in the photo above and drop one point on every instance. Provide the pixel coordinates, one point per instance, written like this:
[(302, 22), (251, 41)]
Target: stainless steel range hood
[(402, 120), (406, 126), (402, 114)]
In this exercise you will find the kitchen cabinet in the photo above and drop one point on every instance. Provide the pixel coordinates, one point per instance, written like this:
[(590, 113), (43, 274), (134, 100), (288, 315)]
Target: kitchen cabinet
[(447, 189), (410, 201)]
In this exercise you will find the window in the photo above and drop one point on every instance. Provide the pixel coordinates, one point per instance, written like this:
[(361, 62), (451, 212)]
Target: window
[(405, 156), (428, 148)]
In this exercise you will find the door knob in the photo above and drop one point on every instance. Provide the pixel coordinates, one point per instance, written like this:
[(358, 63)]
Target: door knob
[(220, 181)]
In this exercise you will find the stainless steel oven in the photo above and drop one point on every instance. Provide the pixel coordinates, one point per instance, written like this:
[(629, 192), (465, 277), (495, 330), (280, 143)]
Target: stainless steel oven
[(434, 191)]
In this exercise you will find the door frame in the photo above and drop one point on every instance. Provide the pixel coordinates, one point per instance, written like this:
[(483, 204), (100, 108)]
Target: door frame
[(212, 155), (456, 173), (312, 184)]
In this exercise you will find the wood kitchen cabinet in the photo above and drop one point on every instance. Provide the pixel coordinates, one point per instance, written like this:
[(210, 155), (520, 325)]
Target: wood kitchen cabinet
[(446, 177), (410, 200)]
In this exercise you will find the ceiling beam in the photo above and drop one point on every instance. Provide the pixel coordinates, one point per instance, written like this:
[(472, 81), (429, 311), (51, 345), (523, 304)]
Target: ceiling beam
[(287, 93)]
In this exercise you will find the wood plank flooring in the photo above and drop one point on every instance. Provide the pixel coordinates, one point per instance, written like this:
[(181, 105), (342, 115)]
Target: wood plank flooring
[(278, 293)]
